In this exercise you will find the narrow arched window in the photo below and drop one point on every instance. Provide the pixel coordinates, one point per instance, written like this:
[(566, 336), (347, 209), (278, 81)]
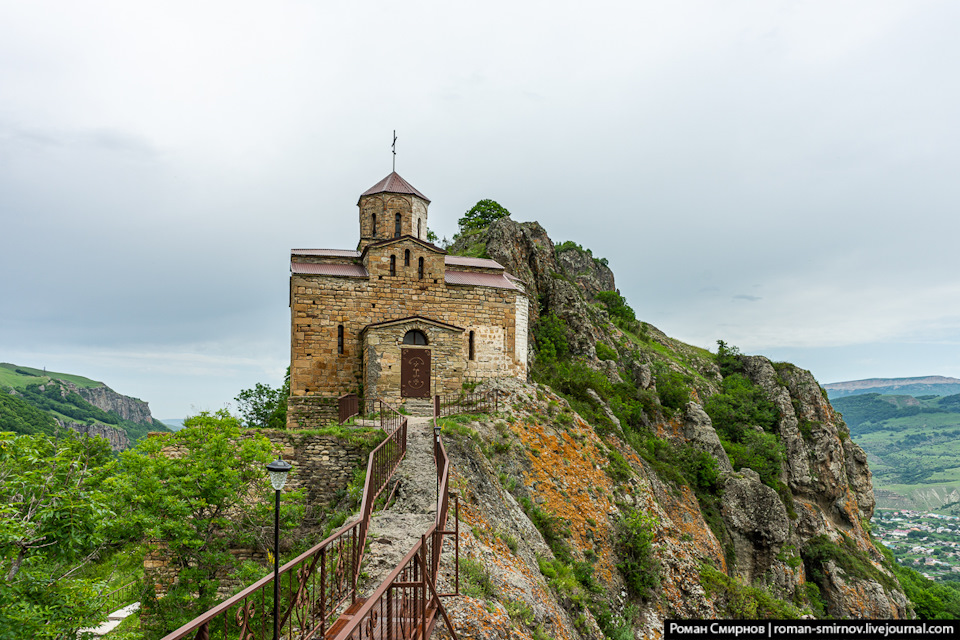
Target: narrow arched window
[(420, 269), (396, 226), (415, 337), (340, 339), (471, 346), (373, 224), (393, 265), (406, 258), (419, 235)]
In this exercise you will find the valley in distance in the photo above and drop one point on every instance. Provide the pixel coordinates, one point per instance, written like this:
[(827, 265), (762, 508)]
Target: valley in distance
[(910, 430)]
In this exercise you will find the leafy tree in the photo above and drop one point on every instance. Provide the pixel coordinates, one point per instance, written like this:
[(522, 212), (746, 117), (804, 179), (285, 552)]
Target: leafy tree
[(551, 333), (482, 215), (52, 523), (263, 407), (198, 492)]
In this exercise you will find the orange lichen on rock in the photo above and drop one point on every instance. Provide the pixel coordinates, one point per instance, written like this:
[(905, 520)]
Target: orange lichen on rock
[(566, 472)]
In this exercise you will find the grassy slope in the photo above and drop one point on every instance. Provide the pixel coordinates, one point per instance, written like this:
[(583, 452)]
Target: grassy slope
[(10, 378)]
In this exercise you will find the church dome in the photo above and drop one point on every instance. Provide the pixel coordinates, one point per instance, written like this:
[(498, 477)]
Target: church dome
[(393, 183)]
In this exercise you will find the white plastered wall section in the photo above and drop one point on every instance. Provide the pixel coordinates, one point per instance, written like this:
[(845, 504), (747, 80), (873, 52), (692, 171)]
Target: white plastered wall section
[(520, 333), (419, 218)]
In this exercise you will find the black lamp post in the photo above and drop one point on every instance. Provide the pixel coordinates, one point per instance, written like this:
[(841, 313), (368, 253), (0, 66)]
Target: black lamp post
[(278, 477)]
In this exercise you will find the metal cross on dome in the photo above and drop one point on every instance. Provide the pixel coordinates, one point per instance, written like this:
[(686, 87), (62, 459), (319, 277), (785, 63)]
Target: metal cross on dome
[(394, 147)]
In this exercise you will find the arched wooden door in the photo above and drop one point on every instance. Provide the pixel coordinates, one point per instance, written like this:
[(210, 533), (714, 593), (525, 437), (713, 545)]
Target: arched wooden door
[(415, 373)]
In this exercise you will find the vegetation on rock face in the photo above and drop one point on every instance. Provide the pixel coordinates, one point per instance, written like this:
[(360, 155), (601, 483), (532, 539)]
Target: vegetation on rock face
[(620, 312), (744, 419), (639, 565)]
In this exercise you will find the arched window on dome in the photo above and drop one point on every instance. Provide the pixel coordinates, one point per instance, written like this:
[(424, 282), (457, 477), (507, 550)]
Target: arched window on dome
[(419, 229), (373, 225), (415, 337), (396, 226)]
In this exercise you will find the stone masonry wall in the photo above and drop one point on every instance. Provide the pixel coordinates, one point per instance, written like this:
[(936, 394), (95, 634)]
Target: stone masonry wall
[(386, 205), (322, 464), (319, 304), (311, 411)]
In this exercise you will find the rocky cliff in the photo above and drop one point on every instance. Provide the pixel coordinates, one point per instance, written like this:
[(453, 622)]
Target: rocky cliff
[(659, 481), (116, 437), (105, 398)]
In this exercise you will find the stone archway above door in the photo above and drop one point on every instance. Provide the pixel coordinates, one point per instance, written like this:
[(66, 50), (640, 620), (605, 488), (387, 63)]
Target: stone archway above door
[(412, 357)]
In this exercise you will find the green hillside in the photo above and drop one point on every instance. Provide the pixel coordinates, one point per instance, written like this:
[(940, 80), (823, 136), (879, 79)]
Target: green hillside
[(20, 416), (913, 444), (31, 401)]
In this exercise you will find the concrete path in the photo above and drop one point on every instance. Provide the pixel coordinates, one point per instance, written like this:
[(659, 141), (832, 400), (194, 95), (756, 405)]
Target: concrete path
[(395, 530)]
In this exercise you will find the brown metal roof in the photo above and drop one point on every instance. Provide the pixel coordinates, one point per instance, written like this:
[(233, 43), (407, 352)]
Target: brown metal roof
[(479, 279), (333, 253), (463, 261), (393, 183), (343, 270)]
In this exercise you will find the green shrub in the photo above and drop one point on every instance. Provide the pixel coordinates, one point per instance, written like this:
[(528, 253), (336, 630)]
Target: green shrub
[(728, 359), (551, 335), (820, 550), (744, 602), (475, 580), (639, 566), (620, 312), (606, 353), (672, 389), (618, 469)]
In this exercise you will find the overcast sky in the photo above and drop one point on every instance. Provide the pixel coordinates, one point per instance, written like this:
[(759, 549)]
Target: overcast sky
[(781, 175)]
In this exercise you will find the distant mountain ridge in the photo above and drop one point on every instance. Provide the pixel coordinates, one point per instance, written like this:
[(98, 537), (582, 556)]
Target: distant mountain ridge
[(39, 401), (917, 386)]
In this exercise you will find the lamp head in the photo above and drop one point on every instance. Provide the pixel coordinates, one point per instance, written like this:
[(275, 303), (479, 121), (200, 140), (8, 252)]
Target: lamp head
[(278, 472)]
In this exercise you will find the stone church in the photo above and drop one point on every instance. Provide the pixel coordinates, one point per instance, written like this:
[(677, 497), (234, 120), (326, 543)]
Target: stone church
[(398, 318)]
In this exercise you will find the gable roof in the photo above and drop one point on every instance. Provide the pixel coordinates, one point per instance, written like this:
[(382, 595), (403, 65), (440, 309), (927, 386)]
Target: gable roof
[(382, 243), (496, 280), (393, 183), (314, 269), (326, 253), (464, 261)]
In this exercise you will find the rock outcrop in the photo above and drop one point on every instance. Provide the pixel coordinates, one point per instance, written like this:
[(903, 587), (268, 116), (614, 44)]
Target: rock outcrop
[(105, 398), (799, 537), (590, 273), (116, 437)]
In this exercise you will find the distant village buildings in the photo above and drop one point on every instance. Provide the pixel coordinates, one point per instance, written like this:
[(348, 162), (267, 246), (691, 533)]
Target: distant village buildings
[(397, 318)]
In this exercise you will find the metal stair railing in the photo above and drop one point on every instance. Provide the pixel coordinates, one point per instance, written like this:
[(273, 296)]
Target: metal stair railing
[(487, 402), (406, 604), (316, 584)]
